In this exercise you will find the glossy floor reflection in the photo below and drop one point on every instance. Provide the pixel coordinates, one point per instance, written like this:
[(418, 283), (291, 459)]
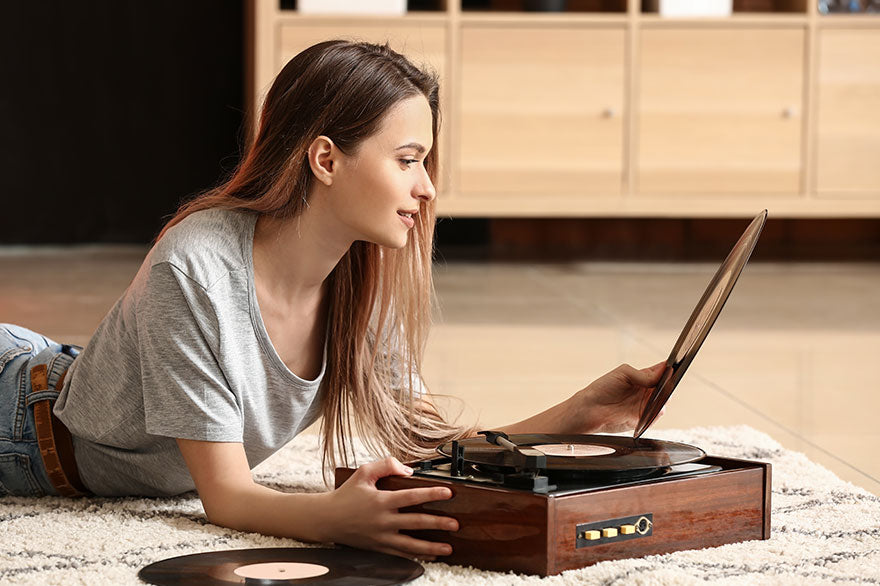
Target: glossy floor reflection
[(793, 353)]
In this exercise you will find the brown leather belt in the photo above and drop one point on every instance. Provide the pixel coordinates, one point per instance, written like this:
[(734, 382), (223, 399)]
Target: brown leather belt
[(56, 444)]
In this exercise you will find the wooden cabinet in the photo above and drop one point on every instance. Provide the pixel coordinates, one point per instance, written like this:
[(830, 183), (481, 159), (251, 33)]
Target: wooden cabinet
[(720, 111), (567, 137), (848, 121), (609, 110)]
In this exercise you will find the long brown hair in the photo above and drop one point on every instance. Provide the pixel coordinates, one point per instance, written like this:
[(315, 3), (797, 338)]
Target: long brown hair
[(380, 305)]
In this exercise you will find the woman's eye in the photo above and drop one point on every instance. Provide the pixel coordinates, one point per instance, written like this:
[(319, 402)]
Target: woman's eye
[(409, 162)]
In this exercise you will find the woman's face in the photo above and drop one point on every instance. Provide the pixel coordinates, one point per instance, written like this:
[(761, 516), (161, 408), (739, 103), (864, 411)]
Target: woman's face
[(378, 190)]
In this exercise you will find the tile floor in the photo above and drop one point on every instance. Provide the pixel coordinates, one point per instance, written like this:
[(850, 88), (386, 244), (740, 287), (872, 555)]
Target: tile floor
[(793, 354)]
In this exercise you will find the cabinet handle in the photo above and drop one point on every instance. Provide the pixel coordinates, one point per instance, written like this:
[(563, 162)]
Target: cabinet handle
[(788, 112), (608, 113)]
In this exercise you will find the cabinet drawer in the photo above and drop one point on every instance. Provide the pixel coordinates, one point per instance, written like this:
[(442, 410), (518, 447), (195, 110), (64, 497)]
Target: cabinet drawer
[(720, 111), (541, 110)]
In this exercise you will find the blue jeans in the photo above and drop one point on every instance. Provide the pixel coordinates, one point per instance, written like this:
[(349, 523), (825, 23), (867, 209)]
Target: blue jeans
[(22, 471)]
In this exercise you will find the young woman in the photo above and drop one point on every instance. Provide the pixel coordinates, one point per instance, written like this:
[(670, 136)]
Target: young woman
[(299, 288)]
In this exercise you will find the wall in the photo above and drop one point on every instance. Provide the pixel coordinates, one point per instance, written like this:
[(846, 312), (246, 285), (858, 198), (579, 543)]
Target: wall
[(112, 112)]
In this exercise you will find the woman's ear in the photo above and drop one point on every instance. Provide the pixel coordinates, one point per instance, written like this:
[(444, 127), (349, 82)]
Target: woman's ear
[(322, 159)]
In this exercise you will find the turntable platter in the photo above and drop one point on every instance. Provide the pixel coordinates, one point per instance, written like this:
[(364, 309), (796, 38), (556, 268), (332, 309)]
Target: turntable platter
[(600, 453)]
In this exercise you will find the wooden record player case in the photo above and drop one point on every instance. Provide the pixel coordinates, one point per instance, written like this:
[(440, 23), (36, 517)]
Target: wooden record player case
[(516, 530)]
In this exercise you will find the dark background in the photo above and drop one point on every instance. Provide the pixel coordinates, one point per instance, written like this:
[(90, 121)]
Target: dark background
[(113, 112)]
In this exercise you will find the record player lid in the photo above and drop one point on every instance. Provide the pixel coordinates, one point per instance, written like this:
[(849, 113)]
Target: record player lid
[(697, 327)]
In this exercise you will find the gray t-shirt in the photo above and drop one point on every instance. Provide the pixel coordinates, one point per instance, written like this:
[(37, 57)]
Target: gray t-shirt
[(184, 354)]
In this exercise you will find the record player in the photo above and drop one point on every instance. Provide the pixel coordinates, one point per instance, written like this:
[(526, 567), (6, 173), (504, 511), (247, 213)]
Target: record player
[(544, 503)]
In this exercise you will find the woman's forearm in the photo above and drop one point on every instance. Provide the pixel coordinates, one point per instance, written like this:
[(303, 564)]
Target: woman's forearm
[(258, 509), (612, 403), (567, 417)]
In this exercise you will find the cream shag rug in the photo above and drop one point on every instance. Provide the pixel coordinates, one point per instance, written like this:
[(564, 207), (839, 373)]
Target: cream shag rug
[(825, 530)]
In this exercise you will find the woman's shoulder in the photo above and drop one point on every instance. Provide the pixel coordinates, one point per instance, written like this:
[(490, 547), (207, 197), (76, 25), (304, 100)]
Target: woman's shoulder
[(207, 245)]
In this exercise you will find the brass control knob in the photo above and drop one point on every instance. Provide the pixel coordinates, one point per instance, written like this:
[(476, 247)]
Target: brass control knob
[(609, 532)]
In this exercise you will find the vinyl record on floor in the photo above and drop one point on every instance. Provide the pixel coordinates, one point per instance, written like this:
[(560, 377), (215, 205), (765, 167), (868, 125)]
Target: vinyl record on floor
[(599, 453), (280, 566)]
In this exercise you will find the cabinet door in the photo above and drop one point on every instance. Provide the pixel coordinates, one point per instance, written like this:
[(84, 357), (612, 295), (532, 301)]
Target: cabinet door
[(848, 112), (424, 44), (541, 110), (720, 111)]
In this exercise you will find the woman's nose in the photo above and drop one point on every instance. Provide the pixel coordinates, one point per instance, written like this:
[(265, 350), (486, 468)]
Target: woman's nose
[(425, 189)]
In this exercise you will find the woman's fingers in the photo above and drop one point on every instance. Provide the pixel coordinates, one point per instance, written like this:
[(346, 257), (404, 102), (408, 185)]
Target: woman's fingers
[(417, 547), (646, 377), (410, 497), (420, 521), (404, 554), (382, 468), (395, 543)]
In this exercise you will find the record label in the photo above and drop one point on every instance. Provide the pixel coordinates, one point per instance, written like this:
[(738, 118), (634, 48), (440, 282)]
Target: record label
[(573, 450), (280, 571)]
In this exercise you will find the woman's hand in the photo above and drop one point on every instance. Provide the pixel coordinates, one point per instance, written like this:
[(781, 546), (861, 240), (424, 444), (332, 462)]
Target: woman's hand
[(614, 401), (357, 513), (360, 515)]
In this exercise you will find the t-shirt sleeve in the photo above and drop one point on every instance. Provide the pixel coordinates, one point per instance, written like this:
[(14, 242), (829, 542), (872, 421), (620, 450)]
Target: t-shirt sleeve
[(186, 394)]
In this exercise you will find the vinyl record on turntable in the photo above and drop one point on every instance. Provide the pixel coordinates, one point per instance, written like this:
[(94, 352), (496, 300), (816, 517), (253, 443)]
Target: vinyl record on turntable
[(588, 453), (700, 322), (277, 566)]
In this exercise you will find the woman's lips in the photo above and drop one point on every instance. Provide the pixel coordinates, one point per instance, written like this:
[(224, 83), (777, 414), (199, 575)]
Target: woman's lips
[(407, 219)]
